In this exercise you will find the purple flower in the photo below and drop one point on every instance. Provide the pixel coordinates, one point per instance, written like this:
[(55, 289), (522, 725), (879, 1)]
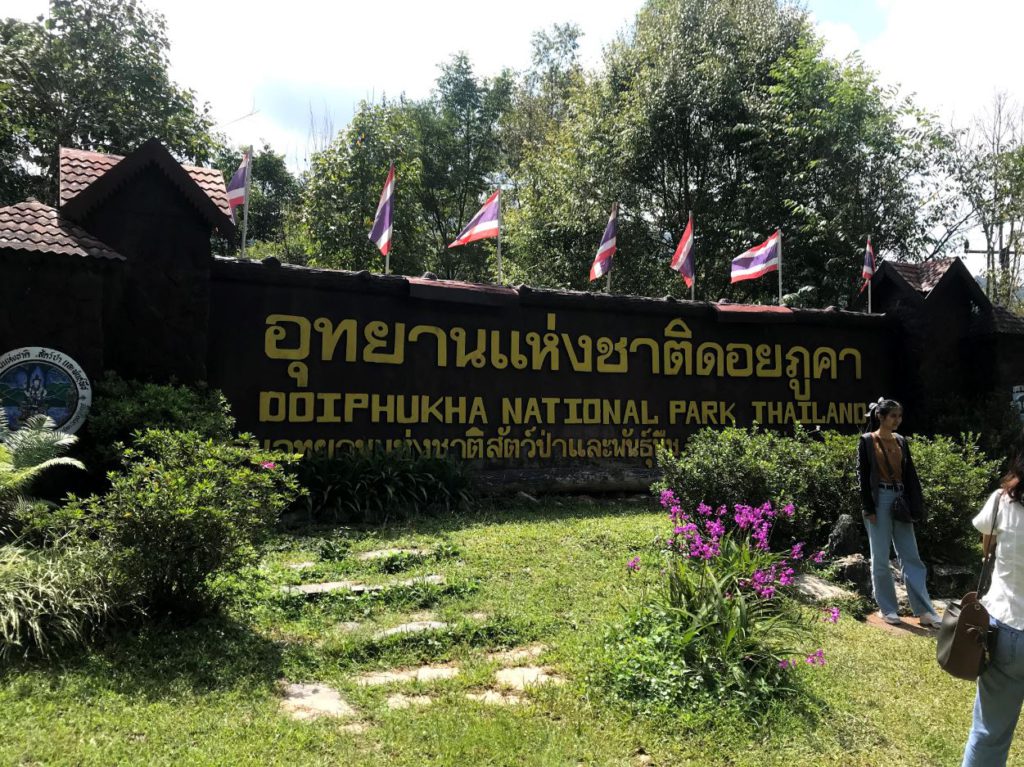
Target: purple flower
[(817, 658), (797, 551), (633, 565), (818, 558), (831, 615), (787, 663)]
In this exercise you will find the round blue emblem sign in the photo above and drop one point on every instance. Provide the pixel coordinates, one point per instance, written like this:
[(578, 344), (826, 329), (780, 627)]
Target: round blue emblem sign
[(36, 380)]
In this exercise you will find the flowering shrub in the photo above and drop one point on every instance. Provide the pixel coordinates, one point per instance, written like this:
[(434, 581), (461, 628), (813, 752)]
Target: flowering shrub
[(718, 622)]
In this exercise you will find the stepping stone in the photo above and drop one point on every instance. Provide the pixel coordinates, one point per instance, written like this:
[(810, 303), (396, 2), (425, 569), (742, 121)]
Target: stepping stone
[(354, 587), (495, 698), (355, 728), (348, 626), (517, 654), (399, 701), (309, 701), (819, 590), (521, 677), (906, 627), (386, 553), (416, 627), (421, 674), (301, 565), (478, 616)]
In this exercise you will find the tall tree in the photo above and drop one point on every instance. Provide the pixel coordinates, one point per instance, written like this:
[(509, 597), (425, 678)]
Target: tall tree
[(92, 75)]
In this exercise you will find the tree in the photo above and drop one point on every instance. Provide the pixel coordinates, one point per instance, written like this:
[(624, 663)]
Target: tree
[(93, 75), (274, 195), (729, 110)]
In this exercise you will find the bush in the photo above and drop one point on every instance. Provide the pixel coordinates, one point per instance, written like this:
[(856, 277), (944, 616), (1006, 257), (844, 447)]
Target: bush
[(50, 598), (723, 467), (184, 510), (955, 477), (373, 487), (717, 625), (122, 407), (820, 478)]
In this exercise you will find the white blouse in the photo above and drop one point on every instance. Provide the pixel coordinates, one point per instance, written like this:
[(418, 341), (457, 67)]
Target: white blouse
[(1005, 598)]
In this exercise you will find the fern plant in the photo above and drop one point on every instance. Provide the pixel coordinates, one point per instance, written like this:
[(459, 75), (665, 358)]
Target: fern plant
[(26, 453)]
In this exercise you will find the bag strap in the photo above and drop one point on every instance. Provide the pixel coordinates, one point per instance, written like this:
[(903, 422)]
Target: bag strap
[(985, 578), (885, 456)]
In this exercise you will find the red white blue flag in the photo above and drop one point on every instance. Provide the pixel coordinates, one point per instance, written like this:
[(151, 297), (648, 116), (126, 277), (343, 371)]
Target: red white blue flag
[(380, 234), (606, 250), (237, 187), (758, 261), (682, 260), (484, 224), (869, 263)]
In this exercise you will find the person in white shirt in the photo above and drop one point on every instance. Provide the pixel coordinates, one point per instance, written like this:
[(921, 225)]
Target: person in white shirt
[(1001, 686)]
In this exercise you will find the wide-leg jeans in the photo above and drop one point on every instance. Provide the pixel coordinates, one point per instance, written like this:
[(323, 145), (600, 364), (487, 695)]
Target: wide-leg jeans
[(884, 533), (997, 704)]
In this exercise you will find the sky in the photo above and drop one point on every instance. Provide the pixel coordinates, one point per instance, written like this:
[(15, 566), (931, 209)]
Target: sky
[(270, 72)]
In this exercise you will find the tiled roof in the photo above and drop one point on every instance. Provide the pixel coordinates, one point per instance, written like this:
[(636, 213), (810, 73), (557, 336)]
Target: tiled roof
[(78, 169), (35, 227), (924, 276), (1005, 321)]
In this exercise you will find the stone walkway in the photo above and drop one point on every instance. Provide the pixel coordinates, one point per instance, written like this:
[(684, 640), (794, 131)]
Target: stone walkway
[(355, 587)]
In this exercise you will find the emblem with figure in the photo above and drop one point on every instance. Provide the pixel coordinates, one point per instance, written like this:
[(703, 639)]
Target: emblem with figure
[(37, 380)]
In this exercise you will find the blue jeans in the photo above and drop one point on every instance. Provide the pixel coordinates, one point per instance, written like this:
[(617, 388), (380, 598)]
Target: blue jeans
[(883, 533), (997, 705)]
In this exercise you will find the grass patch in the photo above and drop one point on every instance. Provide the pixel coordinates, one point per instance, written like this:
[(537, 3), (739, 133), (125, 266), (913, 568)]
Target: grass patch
[(207, 694)]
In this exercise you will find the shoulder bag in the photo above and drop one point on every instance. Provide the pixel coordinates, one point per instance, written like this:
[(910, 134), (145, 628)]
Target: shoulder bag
[(963, 644)]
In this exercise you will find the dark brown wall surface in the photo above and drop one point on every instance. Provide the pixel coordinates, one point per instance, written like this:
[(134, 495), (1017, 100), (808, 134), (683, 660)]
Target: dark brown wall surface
[(55, 301), (296, 394)]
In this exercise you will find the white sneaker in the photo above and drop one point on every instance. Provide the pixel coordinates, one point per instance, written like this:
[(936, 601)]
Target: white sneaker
[(930, 620), (892, 618)]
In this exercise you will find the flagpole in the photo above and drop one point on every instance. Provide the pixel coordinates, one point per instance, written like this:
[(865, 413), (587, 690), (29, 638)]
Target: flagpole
[(391, 240), (245, 213), (693, 234), (500, 277), (869, 296), (779, 230)]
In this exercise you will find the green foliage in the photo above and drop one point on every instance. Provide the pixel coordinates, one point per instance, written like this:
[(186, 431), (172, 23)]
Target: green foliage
[(374, 487), (956, 477), (92, 74), (819, 477), (703, 635), (25, 454), (727, 466), (50, 598), (184, 510), (122, 407)]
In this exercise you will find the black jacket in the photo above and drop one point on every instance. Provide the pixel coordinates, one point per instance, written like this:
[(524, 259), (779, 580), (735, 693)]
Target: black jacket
[(869, 477)]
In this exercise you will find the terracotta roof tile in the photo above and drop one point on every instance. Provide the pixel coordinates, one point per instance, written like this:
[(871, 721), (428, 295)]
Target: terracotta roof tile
[(924, 276), (32, 226), (78, 169)]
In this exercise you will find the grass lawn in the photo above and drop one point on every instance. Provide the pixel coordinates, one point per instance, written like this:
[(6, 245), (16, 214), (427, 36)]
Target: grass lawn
[(514, 575)]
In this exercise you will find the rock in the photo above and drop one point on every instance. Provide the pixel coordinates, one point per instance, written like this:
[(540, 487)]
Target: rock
[(316, 589), (398, 701), (387, 553), (430, 580), (416, 627), (309, 701), (348, 626), (819, 590), (951, 580), (523, 496), (301, 565), (495, 698), (855, 570), (421, 674), (355, 728), (846, 536), (517, 654), (521, 677)]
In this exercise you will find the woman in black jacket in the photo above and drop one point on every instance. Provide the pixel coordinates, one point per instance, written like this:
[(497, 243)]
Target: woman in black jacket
[(890, 493)]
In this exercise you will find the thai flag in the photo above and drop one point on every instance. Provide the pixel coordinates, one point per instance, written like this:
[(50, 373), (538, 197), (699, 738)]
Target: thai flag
[(380, 234), (758, 261), (603, 260), (869, 262), (484, 224), (682, 261), (237, 186)]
